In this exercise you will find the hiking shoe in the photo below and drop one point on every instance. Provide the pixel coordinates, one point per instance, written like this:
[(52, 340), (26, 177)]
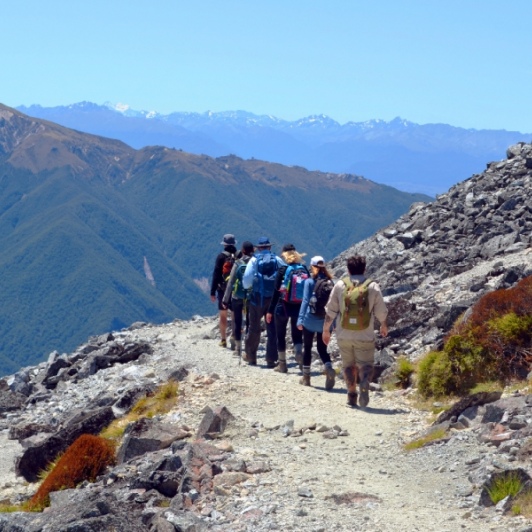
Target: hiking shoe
[(271, 364), (305, 380), (281, 368), (364, 393), (232, 343), (330, 378), (352, 399), (223, 343)]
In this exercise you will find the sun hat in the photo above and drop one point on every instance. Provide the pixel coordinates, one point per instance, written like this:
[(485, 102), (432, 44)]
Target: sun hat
[(264, 242), (229, 240), (318, 260)]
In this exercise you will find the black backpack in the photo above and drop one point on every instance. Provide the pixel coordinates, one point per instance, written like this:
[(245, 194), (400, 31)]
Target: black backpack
[(320, 296)]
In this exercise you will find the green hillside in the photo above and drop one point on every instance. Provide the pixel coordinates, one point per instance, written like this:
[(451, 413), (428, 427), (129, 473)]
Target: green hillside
[(79, 214)]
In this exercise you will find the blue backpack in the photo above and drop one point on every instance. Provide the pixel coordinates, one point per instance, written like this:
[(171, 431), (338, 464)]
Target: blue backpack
[(264, 282)]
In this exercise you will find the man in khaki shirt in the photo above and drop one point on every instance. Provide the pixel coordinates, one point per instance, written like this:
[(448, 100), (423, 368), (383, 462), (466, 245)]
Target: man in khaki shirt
[(357, 347)]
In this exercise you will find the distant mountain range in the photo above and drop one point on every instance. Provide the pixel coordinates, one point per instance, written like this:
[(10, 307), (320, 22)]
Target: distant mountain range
[(95, 235), (416, 158)]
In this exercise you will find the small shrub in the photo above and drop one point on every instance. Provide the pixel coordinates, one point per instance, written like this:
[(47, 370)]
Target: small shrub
[(85, 459), (502, 486), (501, 323), (432, 436), (434, 374), (404, 371)]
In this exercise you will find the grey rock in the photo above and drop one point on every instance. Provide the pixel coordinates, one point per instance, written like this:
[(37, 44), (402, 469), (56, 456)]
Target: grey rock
[(214, 422)]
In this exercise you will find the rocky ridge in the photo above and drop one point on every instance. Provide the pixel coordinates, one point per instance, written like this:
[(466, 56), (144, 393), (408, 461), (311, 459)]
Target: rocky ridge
[(435, 261)]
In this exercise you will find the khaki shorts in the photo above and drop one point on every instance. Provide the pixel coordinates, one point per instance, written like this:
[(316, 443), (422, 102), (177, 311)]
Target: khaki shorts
[(356, 353)]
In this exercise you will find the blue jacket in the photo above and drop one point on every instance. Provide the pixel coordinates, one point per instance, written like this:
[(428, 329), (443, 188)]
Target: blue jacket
[(310, 321)]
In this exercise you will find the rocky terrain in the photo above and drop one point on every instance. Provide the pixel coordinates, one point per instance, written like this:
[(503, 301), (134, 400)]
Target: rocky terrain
[(434, 262), (246, 448)]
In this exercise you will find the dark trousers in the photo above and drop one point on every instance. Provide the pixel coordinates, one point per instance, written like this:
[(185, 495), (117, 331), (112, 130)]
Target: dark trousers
[(308, 338), (283, 313), (257, 310), (238, 317)]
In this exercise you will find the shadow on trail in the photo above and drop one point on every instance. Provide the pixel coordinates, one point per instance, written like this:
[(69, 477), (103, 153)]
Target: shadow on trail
[(367, 409), (381, 411)]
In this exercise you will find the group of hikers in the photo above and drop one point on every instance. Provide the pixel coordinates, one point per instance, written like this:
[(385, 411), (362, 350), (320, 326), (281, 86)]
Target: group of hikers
[(254, 283)]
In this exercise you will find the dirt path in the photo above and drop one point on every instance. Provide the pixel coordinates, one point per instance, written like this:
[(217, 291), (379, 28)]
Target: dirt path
[(363, 481)]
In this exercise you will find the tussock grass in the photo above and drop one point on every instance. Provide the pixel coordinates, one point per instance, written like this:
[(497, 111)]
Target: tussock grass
[(502, 486), (85, 459), (432, 436), (10, 508), (160, 402)]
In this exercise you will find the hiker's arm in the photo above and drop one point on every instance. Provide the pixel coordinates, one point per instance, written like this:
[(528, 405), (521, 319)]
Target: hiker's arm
[(332, 309), (247, 278), (380, 310), (307, 291), (217, 275), (276, 293), (326, 333)]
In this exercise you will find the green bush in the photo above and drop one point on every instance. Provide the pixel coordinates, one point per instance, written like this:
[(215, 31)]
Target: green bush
[(455, 370), (494, 344), (404, 371)]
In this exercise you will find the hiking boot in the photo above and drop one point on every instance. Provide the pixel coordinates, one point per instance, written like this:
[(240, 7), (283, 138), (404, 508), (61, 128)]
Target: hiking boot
[(299, 356), (364, 386), (270, 364), (305, 380), (232, 343), (330, 377), (352, 399), (252, 361), (281, 368), (223, 343)]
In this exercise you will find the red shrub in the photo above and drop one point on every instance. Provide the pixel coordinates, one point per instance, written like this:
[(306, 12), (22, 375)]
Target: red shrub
[(512, 353), (517, 299), (85, 459)]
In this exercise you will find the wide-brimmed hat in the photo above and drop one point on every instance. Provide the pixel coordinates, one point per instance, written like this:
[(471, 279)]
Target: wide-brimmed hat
[(318, 260), (264, 242), (229, 240)]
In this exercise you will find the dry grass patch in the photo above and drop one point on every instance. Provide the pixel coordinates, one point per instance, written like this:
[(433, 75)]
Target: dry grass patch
[(160, 402), (523, 504), (433, 436)]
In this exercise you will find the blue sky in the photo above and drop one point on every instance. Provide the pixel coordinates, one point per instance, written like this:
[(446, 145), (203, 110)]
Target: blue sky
[(467, 63)]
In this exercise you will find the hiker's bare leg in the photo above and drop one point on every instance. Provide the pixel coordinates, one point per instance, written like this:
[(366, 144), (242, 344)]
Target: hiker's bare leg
[(223, 324)]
